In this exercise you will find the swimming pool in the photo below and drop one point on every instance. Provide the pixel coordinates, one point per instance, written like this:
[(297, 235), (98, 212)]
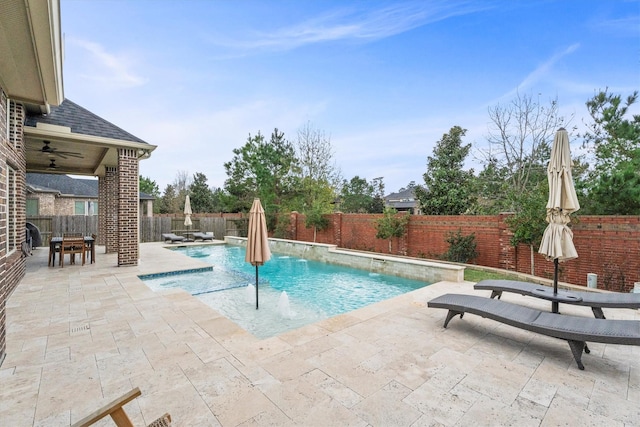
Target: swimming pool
[(314, 290)]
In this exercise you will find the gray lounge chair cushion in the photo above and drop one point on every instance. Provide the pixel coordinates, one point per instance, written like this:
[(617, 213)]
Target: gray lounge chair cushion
[(202, 236), (576, 330), (595, 300), (172, 237)]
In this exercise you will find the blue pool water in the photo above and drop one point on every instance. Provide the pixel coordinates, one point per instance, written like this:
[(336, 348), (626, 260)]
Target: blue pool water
[(314, 290)]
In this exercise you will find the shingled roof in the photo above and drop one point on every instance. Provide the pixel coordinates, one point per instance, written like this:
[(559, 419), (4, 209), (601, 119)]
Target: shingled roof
[(81, 121), (64, 184), (69, 186)]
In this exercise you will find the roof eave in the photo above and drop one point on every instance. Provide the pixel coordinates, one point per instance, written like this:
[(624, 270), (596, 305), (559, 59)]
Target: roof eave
[(31, 72)]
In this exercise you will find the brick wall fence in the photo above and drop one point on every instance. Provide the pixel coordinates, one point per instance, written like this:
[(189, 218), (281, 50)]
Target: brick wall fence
[(608, 246)]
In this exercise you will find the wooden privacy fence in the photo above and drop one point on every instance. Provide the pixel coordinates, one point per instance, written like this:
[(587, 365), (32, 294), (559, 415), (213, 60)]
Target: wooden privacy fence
[(151, 228), (55, 226)]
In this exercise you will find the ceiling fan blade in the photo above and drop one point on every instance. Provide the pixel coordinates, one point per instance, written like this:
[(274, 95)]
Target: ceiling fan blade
[(71, 154)]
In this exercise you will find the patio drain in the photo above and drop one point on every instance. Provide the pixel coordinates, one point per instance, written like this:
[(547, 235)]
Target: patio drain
[(79, 329)]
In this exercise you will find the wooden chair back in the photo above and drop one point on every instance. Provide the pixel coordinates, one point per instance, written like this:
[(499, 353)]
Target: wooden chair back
[(72, 246), (118, 415)]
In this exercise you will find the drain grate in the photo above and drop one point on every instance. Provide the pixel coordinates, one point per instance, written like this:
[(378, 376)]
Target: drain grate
[(80, 328)]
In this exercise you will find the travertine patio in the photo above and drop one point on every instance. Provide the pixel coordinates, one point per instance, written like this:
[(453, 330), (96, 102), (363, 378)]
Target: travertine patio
[(80, 336)]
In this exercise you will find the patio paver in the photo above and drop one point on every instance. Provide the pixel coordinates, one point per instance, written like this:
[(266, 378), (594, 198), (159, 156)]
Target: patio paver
[(83, 335)]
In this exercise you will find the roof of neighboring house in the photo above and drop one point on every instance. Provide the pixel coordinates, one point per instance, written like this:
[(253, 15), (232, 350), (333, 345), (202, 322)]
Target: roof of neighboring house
[(69, 186), (81, 121), (63, 184), (402, 205), (402, 195)]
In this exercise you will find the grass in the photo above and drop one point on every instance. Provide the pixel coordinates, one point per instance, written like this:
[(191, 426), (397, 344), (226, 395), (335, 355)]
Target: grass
[(472, 275)]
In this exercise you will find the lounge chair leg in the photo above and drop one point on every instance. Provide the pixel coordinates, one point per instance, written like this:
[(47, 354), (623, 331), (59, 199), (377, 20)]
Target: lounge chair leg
[(496, 294), (450, 316), (576, 348), (597, 311)]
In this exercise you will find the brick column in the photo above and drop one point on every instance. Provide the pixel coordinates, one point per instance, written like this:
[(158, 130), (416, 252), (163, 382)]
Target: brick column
[(102, 211), (507, 257), (293, 225), (128, 206), (110, 210), (4, 285), (337, 228)]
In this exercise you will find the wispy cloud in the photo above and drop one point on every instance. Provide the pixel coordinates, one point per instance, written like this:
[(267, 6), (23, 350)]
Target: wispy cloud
[(108, 68), (628, 26), (539, 73), (360, 25)]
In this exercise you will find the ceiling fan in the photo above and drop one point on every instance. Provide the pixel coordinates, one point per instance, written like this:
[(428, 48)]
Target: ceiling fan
[(47, 149), (52, 165)]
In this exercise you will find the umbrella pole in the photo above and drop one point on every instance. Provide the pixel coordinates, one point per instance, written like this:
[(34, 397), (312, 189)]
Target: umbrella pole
[(554, 304), (256, 287)]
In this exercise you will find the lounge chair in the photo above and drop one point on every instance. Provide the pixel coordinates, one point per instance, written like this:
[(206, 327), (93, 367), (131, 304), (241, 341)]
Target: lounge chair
[(170, 237), (202, 236), (595, 300), (116, 411), (575, 330)]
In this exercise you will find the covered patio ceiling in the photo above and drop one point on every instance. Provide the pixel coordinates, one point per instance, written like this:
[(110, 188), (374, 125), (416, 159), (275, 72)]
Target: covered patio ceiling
[(56, 149)]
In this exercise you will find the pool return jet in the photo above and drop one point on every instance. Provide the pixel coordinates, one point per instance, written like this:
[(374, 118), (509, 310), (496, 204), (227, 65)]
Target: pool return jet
[(257, 240)]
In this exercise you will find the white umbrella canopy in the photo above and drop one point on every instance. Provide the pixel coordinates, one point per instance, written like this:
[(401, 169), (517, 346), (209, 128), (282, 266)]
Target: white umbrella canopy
[(557, 240), (187, 212), (258, 251)]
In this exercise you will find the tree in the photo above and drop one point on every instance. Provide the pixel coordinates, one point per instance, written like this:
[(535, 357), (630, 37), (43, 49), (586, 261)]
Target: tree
[(528, 222), (169, 202), (613, 138), (315, 155), (359, 196), (200, 194), (617, 191), (448, 189), (319, 177), (492, 189), (148, 186), (265, 169), (520, 136), (614, 141), (391, 225)]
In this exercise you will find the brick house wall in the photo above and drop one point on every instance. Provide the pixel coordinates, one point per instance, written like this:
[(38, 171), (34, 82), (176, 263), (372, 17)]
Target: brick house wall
[(608, 246), (46, 203), (12, 155)]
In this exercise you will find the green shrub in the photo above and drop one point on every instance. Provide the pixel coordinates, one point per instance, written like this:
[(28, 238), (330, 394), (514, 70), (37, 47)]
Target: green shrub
[(461, 248)]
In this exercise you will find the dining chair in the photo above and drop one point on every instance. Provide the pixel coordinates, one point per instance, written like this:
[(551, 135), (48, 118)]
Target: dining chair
[(72, 246), (90, 248)]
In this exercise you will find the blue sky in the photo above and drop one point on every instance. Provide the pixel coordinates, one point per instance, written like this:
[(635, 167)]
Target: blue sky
[(383, 79)]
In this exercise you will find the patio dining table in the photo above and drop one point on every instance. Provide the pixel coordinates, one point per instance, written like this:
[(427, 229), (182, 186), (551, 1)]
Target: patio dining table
[(56, 243)]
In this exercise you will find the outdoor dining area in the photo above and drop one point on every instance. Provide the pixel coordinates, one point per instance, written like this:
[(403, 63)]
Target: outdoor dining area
[(72, 244)]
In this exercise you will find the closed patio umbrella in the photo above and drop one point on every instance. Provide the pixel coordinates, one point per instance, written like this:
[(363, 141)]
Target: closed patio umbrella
[(557, 240), (257, 240), (187, 213)]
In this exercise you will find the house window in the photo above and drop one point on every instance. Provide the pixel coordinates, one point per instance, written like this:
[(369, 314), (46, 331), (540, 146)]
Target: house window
[(33, 207), (12, 208), (80, 208), (86, 208)]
